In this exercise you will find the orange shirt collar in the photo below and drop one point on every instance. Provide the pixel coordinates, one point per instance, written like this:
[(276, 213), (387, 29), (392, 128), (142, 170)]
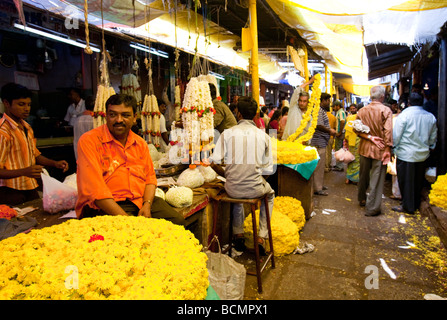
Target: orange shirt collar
[(14, 125), (107, 136)]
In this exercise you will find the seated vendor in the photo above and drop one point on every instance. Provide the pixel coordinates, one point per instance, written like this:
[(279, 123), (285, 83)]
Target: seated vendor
[(21, 163), (247, 154), (115, 173)]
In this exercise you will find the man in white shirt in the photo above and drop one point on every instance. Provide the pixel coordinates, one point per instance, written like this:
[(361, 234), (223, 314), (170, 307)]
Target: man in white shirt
[(164, 142), (247, 153), (83, 123), (414, 136), (76, 108)]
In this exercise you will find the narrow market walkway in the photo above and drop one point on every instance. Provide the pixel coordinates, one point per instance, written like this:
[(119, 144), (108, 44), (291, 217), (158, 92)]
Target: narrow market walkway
[(346, 243)]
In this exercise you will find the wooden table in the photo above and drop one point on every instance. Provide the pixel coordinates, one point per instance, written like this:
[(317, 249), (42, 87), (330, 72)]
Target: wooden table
[(288, 182)]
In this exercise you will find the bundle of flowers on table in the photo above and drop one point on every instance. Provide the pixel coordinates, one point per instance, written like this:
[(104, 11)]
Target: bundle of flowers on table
[(286, 221), (107, 257), (7, 212), (438, 192), (291, 152)]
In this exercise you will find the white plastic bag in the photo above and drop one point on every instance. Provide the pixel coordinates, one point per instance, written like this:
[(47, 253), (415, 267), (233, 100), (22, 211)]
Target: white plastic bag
[(344, 155), (226, 276), (57, 196), (191, 178), (179, 197), (71, 181), (208, 173)]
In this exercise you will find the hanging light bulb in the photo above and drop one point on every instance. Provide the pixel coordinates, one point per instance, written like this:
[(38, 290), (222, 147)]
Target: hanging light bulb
[(426, 86)]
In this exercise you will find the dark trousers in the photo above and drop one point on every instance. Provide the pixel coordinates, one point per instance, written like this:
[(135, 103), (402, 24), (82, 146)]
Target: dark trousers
[(160, 209), (410, 176), (371, 177), (13, 197)]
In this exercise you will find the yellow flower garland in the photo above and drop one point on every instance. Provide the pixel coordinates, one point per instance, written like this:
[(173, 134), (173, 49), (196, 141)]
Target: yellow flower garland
[(312, 109), (114, 257)]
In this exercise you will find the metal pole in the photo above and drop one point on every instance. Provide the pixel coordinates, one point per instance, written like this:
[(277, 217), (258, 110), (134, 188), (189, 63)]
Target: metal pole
[(254, 50)]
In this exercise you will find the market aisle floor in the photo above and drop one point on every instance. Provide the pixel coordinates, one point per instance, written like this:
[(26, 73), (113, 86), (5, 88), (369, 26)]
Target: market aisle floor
[(346, 243)]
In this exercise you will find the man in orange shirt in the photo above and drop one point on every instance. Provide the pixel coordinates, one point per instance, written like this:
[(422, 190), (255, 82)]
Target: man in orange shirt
[(20, 161), (115, 173)]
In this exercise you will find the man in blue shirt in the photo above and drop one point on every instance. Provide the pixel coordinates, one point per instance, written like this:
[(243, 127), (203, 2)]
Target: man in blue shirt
[(414, 136)]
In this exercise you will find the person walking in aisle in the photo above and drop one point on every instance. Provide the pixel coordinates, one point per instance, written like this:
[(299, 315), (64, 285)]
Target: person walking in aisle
[(374, 150), (320, 140), (414, 136), (340, 115), (353, 141)]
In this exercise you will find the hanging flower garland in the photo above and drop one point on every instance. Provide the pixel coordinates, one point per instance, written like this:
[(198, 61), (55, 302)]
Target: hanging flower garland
[(197, 114), (104, 90), (311, 113), (150, 120)]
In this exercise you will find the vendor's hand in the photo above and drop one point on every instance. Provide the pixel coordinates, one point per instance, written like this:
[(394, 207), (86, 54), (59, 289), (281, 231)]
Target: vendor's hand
[(332, 132), (378, 142), (62, 164), (145, 210), (33, 171)]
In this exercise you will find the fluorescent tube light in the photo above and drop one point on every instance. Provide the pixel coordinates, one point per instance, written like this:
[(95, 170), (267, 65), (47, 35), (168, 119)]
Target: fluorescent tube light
[(149, 50), (217, 75), (53, 37)]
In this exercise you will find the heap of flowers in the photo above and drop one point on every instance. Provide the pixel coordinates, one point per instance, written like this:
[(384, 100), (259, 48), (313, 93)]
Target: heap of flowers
[(292, 208), (438, 192), (286, 222), (285, 233), (311, 114), (290, 152), (7, 212), (107, 257), (150, 120), (99, 111)]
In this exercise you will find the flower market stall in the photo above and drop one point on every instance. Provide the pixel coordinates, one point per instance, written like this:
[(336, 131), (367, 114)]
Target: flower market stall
[(296, 161)]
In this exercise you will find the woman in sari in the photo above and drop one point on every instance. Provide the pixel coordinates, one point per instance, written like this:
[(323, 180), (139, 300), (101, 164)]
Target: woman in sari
[(352, 141)]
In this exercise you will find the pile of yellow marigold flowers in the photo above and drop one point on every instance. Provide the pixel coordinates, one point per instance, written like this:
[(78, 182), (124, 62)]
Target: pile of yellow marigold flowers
[(438, 193), (286, 222), (107, 257), (289, 152)]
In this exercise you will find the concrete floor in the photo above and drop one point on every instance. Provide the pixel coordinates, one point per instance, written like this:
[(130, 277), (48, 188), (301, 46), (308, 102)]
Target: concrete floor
[(346, 243)]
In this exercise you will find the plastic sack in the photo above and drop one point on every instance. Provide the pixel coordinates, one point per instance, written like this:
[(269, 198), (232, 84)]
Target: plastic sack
[(430, 174), (71, 181), (226, 276), (343, 155), (391, 167), (179, 197), (160, 193), (191, 178), (57, 196), (208, 173)]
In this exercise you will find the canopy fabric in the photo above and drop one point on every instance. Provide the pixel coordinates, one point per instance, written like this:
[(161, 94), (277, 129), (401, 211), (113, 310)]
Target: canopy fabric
[(216, 45), (337, 30)]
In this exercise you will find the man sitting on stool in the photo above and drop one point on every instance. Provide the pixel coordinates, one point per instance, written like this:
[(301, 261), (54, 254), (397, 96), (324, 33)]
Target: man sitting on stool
[(247, 153)]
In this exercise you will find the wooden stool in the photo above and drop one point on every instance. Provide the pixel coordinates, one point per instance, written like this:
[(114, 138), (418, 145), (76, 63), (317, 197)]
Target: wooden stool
[(254, 204)]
